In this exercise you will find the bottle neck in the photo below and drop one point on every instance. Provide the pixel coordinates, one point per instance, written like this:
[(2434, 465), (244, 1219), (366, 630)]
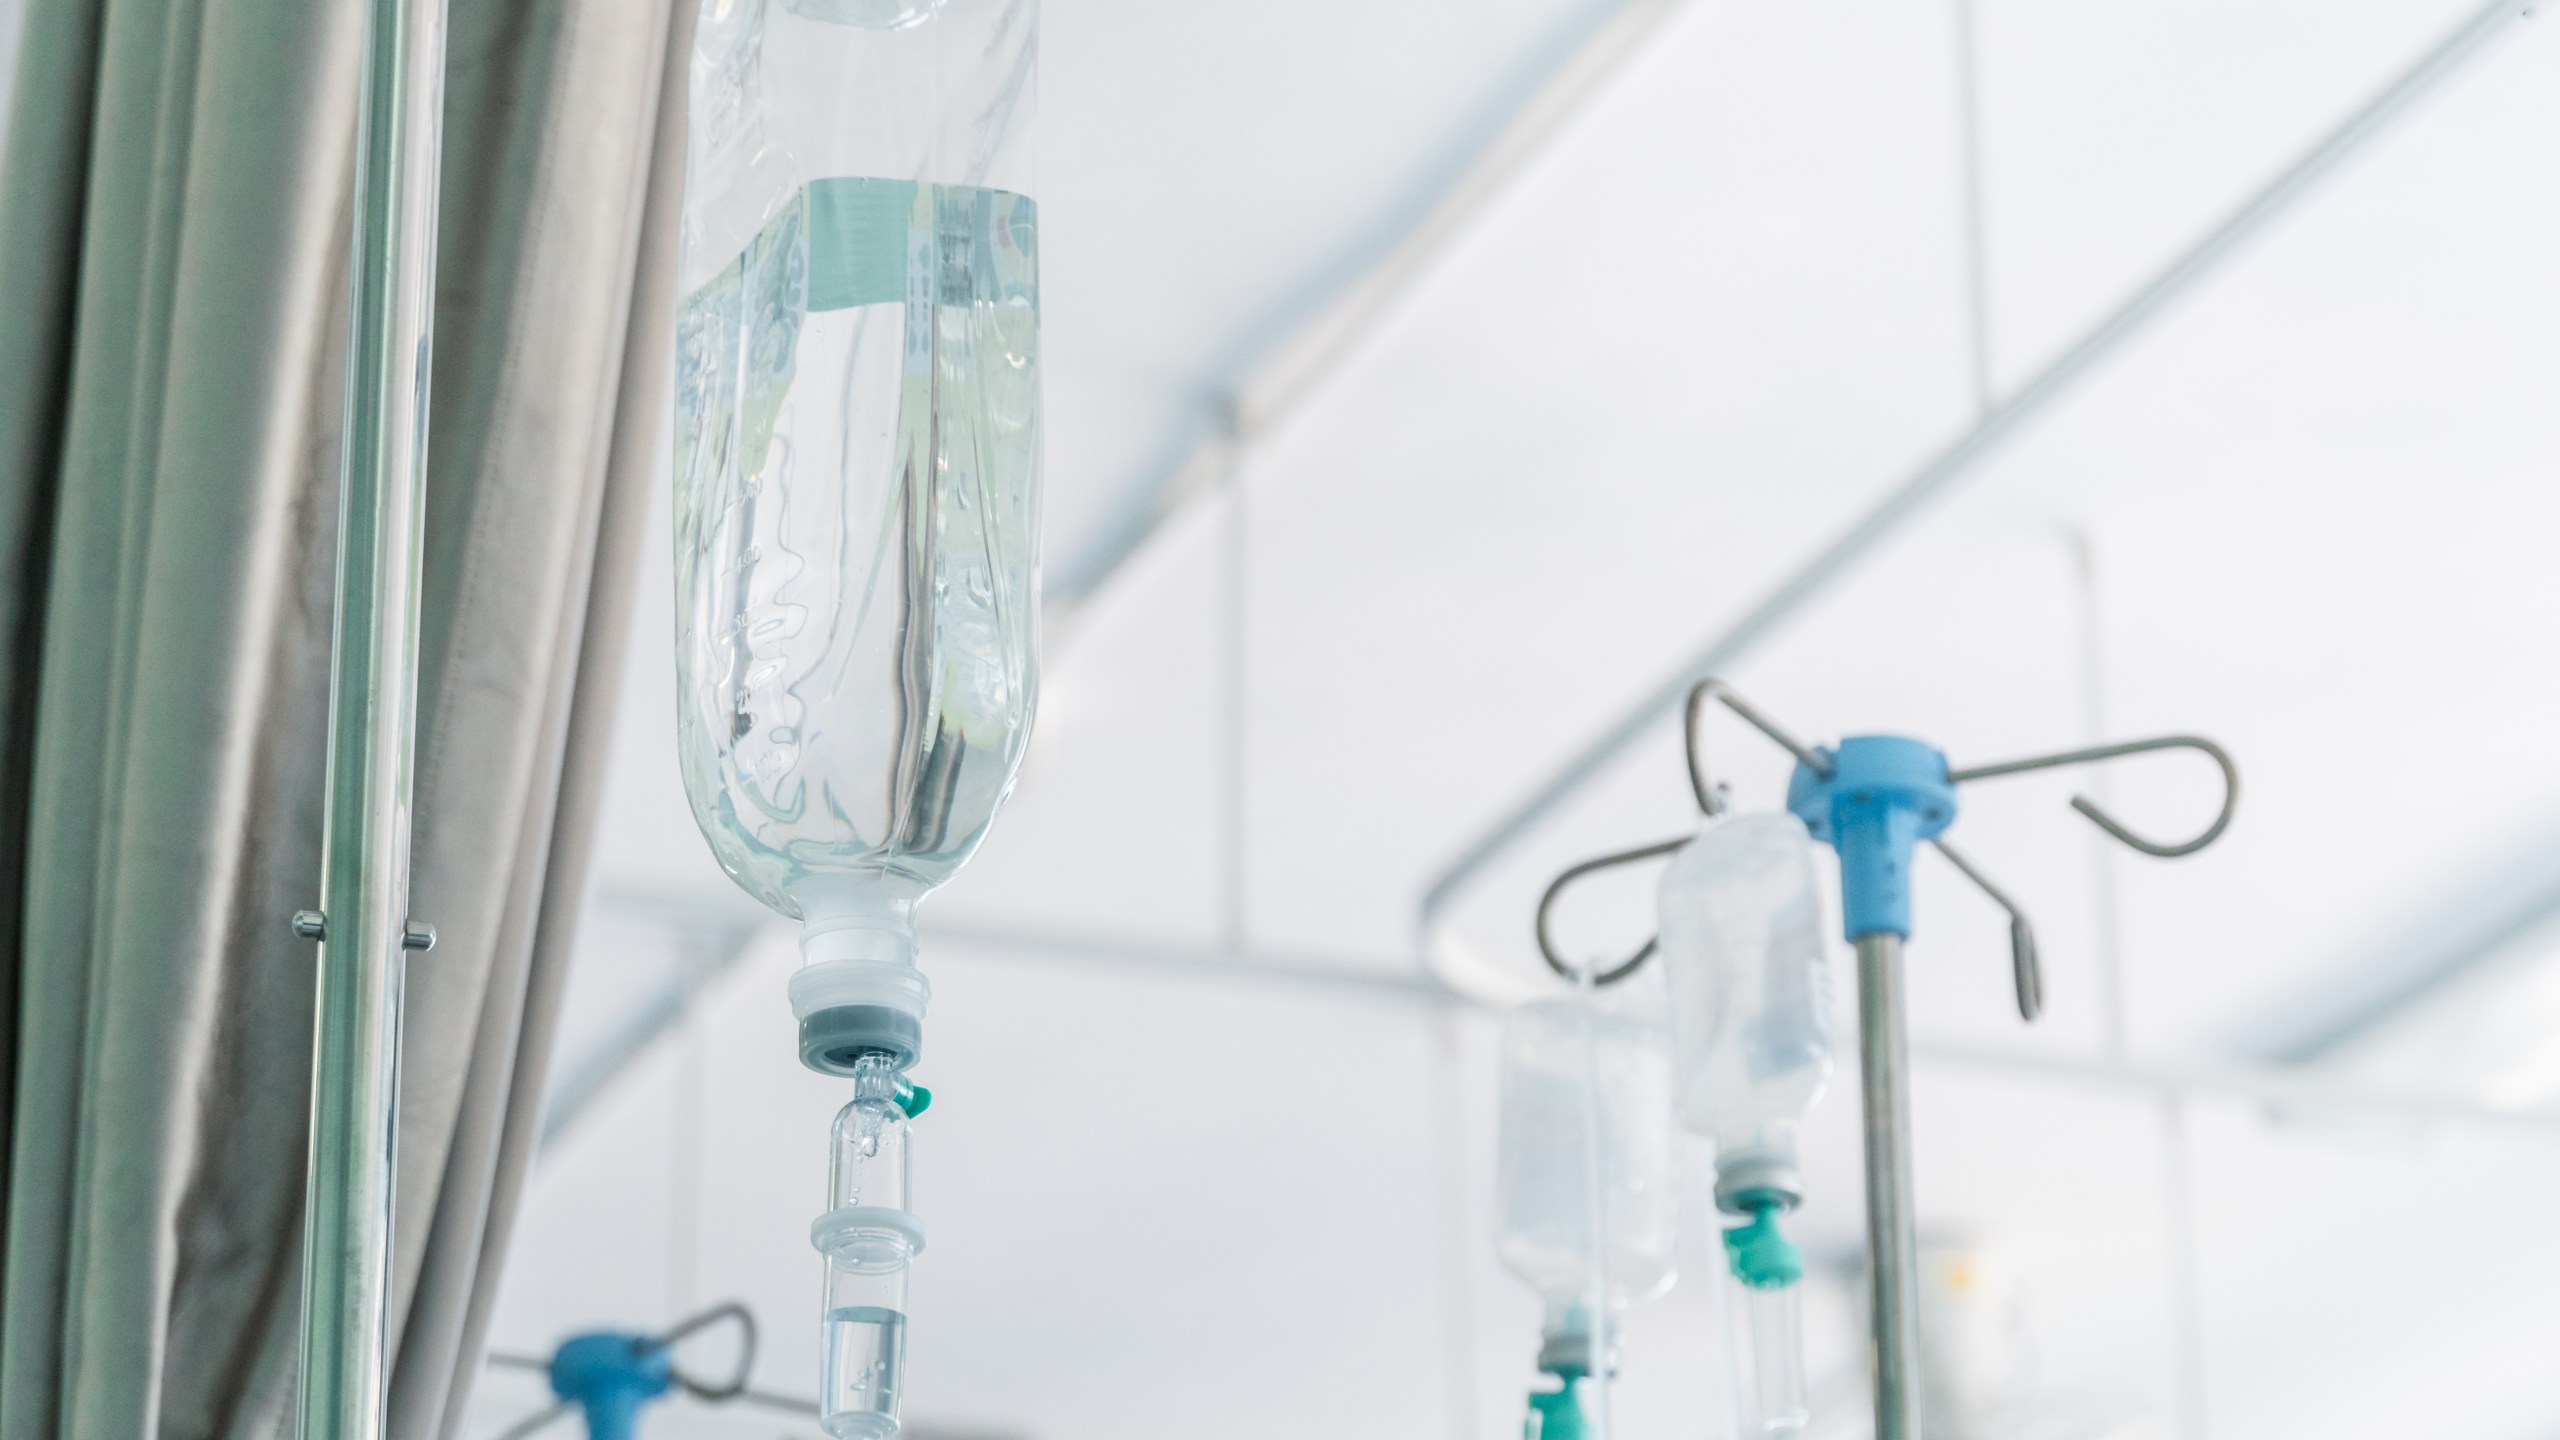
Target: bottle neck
[(1756, 1168), (868, 917), (858, 989), (1566, 1342)]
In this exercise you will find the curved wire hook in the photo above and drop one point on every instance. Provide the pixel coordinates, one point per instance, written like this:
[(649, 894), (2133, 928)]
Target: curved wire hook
[(1712, 801), (1711, 797), (736, 1385), (2026, 970), (1556, 887), (2108, 823)]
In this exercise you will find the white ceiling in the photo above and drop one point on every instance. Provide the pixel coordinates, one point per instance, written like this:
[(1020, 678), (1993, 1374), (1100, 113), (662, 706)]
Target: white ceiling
[(1210, 174), (1719, 316)]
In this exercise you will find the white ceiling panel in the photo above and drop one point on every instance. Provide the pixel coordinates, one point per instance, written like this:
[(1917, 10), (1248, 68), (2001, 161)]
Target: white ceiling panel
[(2360, 1284), (1211, 173), (2114, 131), (2318, 499), (1672, 362)]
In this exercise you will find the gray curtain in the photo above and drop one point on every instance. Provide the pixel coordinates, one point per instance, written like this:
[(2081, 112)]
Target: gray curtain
[(173, 216)]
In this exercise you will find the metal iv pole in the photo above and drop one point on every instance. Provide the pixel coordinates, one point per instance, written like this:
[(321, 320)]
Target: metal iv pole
[(363, 922), (1875, 799)]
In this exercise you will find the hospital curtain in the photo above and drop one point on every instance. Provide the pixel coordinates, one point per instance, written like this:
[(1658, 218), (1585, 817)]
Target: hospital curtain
[(174, 206)]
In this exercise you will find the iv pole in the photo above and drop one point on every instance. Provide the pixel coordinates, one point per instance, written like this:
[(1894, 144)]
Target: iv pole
[(363, 925), (1874, 799)]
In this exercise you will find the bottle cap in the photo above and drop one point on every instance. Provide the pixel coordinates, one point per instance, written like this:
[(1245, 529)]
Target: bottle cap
[(1748, 1184), (833, 1039)]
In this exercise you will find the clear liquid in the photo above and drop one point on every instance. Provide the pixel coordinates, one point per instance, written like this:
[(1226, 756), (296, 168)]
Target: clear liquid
[(857, 516), (862, 1354)]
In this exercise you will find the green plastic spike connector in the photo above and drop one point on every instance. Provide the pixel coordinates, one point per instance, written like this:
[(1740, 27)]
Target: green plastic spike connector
[(1554, 1414), (1761, 1255), (913, 1098)]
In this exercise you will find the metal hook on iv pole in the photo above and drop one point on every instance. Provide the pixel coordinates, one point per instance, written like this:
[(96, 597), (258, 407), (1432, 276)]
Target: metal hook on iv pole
[(2025, 968), (1711, 796), (1712, 800), (2024, 963), (2108, 823), (1556, 887)]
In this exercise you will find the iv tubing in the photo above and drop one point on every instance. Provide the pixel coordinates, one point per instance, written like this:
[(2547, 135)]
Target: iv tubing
[(1777, 1361), (1603, 1422)]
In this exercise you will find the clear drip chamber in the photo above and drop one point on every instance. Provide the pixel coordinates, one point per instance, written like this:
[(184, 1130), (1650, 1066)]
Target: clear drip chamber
[(868, 1237)]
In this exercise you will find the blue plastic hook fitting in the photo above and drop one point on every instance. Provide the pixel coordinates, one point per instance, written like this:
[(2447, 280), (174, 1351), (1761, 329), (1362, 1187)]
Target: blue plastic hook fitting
[(1885, 794), (612, 1377)]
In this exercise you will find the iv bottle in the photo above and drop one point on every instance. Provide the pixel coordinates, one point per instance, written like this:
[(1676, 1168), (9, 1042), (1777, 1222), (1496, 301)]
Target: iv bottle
[(1747, 968), (857, 471), (868, 1237), (857, 480), (1562, 1184)]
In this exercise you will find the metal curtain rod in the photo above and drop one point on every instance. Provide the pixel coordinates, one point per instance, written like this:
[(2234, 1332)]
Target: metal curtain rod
[(363, 922), (1950, 467)]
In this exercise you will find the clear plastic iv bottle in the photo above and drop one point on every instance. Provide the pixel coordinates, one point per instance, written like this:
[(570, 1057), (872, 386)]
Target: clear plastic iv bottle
[(867, 1237), (857, 470), (1746, 960), (857, 482), (1565, 1062)]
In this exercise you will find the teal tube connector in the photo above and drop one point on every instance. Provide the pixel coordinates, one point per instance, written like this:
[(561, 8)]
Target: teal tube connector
[(1761, 1255), (1555, 1414), (913, 1098)]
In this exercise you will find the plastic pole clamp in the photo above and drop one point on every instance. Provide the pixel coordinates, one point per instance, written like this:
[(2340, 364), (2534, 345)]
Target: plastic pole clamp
[(1885, 794), (611, 1376)]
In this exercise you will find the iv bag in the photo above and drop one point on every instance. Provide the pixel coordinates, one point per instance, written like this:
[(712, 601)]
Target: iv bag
[(1552, 1053), (857, 456), (1747, 967), (1745, 960)]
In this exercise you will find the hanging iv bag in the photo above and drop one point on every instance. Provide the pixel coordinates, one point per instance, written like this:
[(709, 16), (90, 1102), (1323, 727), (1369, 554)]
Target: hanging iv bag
[(1745, 959), (1584, 1214), (857, 482), (857, 470)]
